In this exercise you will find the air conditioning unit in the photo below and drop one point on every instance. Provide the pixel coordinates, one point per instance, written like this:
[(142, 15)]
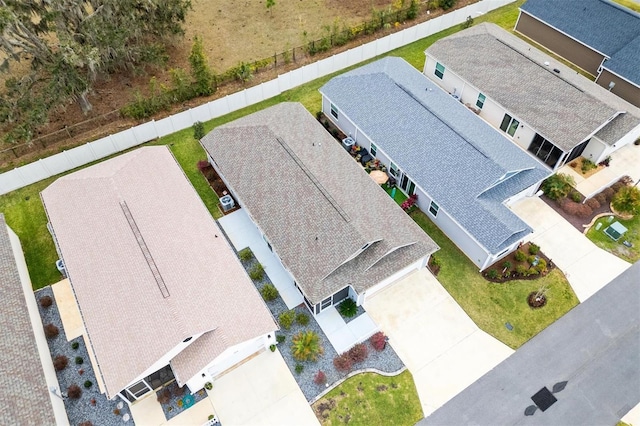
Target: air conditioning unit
[(227, 203), (348, 142)]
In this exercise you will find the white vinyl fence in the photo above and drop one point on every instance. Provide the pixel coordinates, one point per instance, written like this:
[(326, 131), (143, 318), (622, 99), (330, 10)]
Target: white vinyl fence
[(92, 151)]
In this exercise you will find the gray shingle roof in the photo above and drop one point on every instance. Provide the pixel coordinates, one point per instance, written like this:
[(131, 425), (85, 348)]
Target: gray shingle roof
[(315, 204), (564, 108), (595, 347), (445, 148), (603, 25), (132, 315), (24, 396)]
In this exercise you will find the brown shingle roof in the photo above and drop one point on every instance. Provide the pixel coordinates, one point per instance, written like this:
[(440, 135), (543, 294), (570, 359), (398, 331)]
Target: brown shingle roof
[(130, 322), (24, 396), (314, 203)]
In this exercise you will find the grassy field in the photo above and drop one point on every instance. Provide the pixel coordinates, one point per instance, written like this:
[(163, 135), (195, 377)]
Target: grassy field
[(491, 305), (24, 211), (630, 254), (371, 399)]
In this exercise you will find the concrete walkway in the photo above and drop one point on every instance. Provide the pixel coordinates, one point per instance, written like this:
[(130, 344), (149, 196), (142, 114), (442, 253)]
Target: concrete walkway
[(625, 161), (262, 391), (344, 335), (587, 267), (440, 345), (243, 233)]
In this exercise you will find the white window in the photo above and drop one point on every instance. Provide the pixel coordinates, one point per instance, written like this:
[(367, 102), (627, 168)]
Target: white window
[(374, 149), (480, 101), (439, 72), (433, 209), (393, 169), (334, 111)]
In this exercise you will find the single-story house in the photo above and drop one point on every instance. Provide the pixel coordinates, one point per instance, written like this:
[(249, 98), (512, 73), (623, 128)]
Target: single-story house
[(464, 171), (157, 284), (26, 369), (333, 228), (584, 369), (542, 105), (600, 36)]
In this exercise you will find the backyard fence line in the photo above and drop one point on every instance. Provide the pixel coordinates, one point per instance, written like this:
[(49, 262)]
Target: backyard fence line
[(145, 132)]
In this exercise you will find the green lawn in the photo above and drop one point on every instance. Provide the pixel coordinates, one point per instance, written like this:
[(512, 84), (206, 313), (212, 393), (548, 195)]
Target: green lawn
[(491, 305), (24, 211), (399, 196), (371, 399), (616, 247)]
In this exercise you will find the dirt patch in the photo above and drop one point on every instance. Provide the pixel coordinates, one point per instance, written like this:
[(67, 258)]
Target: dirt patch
[(578, 165), (227, 43)]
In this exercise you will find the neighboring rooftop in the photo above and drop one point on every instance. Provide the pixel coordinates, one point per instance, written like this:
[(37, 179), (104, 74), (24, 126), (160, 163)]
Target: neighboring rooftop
[(456, 157), (317, 206), (603, 25), (565, 108), (595, 348), (149, 267), (23, 389)]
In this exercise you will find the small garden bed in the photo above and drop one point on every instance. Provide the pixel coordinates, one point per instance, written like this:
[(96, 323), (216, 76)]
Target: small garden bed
[(216, 183), (174, 400), (526, 263), (587, 167)]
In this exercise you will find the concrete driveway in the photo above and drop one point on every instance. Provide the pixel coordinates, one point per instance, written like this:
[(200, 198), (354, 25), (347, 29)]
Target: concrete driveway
[(441, 346), (261, 391), (587, 267)]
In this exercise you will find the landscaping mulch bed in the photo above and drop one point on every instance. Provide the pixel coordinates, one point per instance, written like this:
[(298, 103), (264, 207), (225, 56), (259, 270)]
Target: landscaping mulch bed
[(512, 275), (386, 360), (180, 399), (577, 222), (103, 411)]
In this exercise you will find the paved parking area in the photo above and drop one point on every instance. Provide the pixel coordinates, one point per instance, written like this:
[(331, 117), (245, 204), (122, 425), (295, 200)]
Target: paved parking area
[(438, 342), (261, 391), (587, 267)]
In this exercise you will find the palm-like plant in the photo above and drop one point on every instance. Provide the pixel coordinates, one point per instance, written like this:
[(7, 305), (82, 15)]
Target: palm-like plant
[(627, 200), (306, 346), (558, 185)]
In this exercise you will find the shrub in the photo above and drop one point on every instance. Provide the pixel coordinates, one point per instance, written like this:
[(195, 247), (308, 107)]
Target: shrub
[(576, 209), (608, 194), (286, 319), (557, 186), (117, 410), (348, 308), (584, 211), (520, 256), (492, 273), (507, 265), (447, 4), (531, 259), (409, 202), (299, 368), (269, 292), (46, 301), (51, 331), (532, 271), (575, 196), (60, 362), (627, 200), (358, 353), (320, 378), (75, 345), (245, 254), (198, 130), (600, 198), (74, 391), (617, 186), (378, 341), (593, 203), (306, 346), (302, 318), (79, 360), (627, 180), (205, 80), (587, 165), (542, 266), (280, 338), (257, 272), (88, 384), (165, 396), (342, 363), (208, 386), (272, 348), (534, 248), (467, 23), (521, 269)]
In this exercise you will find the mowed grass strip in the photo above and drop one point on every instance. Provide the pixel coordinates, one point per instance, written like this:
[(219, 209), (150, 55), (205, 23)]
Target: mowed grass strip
[(371, 399), (492, 305)]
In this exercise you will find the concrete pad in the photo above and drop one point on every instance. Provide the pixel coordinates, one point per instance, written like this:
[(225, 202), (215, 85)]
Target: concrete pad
[(441, 346), (363, 327), (68, 308), (587, 267), (261, 391), (147, 411), (196, 415)]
